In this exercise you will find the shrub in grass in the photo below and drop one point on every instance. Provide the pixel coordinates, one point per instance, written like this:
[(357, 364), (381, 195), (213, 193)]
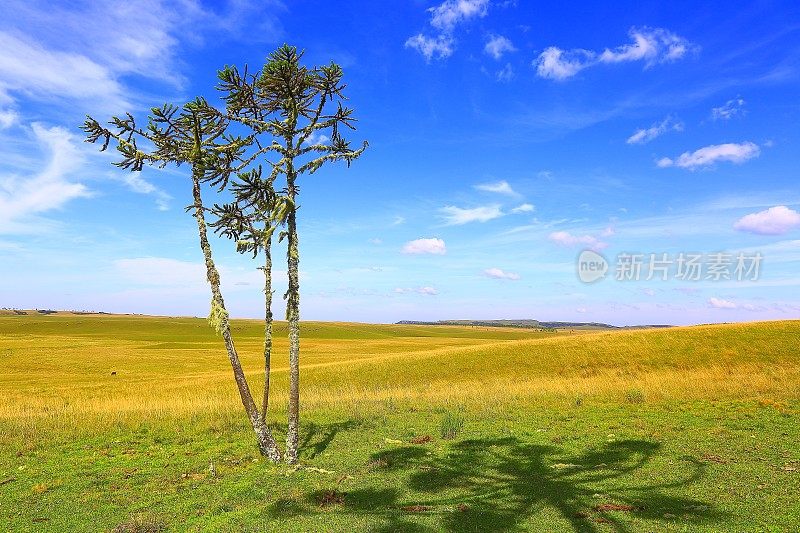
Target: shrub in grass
[(452, 424), (634, 396)]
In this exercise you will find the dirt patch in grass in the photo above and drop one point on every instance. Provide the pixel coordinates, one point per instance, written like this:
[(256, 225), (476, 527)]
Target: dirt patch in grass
[(422, 439)]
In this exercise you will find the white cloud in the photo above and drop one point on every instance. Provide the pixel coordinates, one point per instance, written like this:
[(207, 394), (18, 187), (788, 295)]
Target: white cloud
[(642, 135), (564, 238), (496, 273), (445, 17), (506, 73), (557, 64), (456, 216), (427, 291), (708, 155), (425, 246), (135, 182), (430, 47), (376, 241), (500, 187), (497, 45), (776, 220), (651, 45), (8, 117), (24, 197), (398, 220), (731, 108), (26, 66), (581, 310), (719, 303), (523, 208), (450, 13)]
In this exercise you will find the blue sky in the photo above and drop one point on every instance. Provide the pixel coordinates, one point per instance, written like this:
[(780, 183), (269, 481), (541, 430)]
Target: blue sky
[(505, 138)]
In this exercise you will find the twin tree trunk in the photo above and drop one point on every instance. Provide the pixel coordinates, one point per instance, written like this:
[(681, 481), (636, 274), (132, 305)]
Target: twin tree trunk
[(266, 443)]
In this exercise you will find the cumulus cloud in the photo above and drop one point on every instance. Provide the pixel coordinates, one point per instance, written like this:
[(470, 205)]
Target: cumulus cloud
[(500, 187), (776, 220), (720, 303), (708, 155), (450, 13), (564, 238), (731, 108), (444, 18), (497, 45), (645, 135), (650, 45), (557, 64), (24, 197), (425, 246), (456, 216), (523, 208), (496, 273), (431, 47), (427, 291)]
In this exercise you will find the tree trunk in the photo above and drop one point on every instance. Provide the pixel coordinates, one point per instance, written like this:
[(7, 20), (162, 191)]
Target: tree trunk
[(267, 325), (266, 443), (293, 317)]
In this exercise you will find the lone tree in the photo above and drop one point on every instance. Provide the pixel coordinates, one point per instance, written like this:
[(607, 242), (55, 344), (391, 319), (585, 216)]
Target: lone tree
[(291, 118), (296, 115), (196, 134)]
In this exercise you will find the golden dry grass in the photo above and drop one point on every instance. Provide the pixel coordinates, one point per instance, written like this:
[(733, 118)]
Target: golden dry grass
[(60, 367)]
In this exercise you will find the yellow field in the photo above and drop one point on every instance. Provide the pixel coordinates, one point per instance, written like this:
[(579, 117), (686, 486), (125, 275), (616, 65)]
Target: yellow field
[(61, 366)]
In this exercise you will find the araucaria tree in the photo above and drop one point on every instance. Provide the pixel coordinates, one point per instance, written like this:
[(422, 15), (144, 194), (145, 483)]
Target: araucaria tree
[(297, 116), (194, 134), (289, 119)]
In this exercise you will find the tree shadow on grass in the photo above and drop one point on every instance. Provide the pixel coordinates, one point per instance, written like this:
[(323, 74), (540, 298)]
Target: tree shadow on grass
[(317, 437), (498, 484)]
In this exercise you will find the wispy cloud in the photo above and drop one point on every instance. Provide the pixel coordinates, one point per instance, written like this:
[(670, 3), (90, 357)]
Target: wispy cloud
[(731, 108), (497, 273), (426, 291), (645, 135), (505, 74), (22, 198), (432, 246), (650, 45), (136, 183), (708, 155), (456, 216), (8, 117), (721, 303), (499, 187), (497, 46), (565, 238), (523, 208), (777, 220)]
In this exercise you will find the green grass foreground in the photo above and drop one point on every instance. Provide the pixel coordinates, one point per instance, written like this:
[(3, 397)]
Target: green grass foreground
[(686, 429)]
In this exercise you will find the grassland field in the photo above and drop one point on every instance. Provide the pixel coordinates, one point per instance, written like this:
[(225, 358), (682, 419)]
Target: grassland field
[(133, 423)]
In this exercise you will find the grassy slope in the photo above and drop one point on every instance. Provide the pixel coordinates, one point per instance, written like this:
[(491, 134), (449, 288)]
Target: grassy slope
[(694, 427)]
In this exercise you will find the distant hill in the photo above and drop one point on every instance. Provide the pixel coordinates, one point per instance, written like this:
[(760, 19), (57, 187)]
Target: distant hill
[(528, 323)]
